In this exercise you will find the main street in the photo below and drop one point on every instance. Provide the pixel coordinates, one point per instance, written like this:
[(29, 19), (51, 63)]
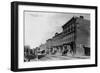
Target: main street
[(53, 57)]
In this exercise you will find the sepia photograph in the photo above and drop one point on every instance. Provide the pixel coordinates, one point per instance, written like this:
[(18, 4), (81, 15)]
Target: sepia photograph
[(56, 36)]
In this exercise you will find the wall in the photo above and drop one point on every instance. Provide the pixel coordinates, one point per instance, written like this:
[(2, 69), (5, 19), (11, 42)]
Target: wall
[(83, 32), (5, 36), (82, 35)]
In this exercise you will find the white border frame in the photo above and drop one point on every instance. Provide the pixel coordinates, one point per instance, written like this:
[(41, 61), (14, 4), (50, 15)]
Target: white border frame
[(22, 64)]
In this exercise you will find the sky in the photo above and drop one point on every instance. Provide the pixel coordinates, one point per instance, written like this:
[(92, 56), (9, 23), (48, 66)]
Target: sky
[(40, 26)]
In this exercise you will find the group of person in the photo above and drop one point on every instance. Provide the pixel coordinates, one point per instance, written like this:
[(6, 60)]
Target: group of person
[(64, 50)]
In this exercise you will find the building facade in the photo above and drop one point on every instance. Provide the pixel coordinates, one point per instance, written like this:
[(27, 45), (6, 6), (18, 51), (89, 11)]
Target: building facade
[(74, 40)]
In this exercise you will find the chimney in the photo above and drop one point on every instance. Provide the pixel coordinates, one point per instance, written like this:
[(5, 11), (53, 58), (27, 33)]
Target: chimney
[(82, 17), (56, 33)]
